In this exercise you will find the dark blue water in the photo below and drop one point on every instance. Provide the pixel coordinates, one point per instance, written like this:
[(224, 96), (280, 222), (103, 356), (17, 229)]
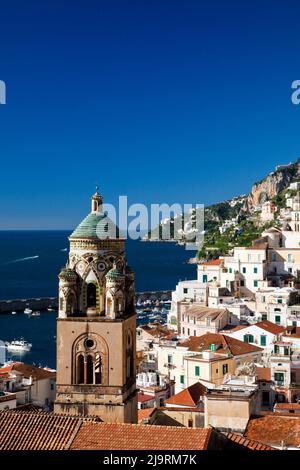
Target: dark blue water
[(39, 331), (157, 266)]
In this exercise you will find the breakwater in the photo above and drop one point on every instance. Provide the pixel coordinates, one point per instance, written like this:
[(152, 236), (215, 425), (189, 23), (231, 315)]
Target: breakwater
[(19, 305)]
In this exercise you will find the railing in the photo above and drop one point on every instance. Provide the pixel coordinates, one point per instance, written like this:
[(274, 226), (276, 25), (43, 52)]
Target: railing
[(170, 366), (281, 356)]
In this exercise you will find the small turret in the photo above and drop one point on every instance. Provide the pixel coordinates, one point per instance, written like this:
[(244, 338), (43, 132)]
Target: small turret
[(97, 202)]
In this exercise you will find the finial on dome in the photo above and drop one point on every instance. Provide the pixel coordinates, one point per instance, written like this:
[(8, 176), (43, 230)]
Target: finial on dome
[(97, 201)]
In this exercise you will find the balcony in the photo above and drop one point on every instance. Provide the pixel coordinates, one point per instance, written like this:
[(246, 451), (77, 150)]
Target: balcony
[(281, 356), (170, 366)]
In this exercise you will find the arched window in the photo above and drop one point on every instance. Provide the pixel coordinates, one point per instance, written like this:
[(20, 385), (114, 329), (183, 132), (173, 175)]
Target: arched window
[(90, 370), (70, 304), (109, 306), (90, 366), (80, 369), (91, 295), (98, 369)]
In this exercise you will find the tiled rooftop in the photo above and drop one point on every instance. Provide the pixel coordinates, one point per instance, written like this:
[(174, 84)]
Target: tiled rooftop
[(223, 344), (189, 396), (270, 327), (36, 431), (37, 373), (248, 443), (145, 413), (263, 373), (213, 262), (275, 430), (113, 436), (143, 397), (201, 312)]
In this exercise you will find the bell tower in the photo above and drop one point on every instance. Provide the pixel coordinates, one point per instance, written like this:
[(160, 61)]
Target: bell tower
[(96, 324)]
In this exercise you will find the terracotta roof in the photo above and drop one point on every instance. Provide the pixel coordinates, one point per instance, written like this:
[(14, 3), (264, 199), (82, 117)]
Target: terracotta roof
[(5, 369), (189, 396), (231, 329), (143, 397), (223, 344), (37, 373), (47, 431), (263, 374), (117, 436), (249, 443), (270, 327), (158, 330), (275, 430), (145, 413), (264, 325), (36, 431), (213, 262)]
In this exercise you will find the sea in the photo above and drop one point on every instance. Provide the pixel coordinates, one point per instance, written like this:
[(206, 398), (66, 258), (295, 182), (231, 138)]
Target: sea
[(29, 265)]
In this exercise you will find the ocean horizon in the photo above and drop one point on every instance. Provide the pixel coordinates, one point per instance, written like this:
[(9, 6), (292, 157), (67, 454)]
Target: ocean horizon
[(30, 261)]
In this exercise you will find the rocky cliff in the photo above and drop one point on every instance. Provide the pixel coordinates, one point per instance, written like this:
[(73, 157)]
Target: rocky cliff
[(242, 207), (271, 186)]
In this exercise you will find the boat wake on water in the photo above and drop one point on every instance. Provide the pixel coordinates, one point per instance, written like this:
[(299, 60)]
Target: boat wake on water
[(22, 259)]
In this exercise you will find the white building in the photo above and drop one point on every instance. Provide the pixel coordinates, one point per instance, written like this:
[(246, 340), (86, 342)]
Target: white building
[(267, 211), (245, 271), (196, 320), (30, 384), (263, 334)]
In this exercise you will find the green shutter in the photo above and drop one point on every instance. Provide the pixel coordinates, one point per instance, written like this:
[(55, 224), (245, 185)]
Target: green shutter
[(263, 340), (277, 319)]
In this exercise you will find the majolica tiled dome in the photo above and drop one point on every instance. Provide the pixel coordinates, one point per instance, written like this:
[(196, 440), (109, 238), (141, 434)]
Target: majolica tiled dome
[(68, 274), (96, 225), (115, 274)]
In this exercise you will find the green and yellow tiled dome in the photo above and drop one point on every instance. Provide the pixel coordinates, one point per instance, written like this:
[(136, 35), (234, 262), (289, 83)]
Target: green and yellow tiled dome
[(68, 274), (96, 225), (115, 274)]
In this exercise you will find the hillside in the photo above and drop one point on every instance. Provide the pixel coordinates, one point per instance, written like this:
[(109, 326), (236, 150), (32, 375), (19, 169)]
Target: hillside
[(237, 221)]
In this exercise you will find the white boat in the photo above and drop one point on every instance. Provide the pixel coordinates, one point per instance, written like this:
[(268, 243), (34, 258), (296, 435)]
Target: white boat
[(36, 314), (18, 345), (27, 311), (14, 313), (51, 309)]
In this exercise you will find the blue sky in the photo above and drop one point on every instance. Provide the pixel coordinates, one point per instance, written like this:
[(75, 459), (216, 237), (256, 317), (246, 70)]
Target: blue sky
[(163, 101)]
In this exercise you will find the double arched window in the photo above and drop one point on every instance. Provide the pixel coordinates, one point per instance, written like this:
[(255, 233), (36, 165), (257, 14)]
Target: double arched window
[(90, 360)]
